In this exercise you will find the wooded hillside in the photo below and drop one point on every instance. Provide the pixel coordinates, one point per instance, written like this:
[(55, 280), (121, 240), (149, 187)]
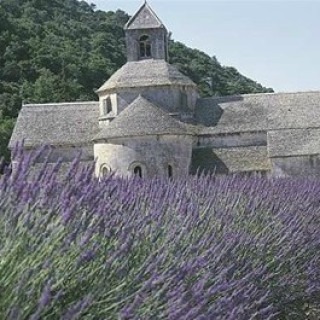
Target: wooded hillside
[(62, 50)]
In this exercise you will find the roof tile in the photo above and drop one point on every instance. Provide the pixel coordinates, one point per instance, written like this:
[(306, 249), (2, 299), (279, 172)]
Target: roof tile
[(144, 18), (144, 73), (56, 124), (141, 118)]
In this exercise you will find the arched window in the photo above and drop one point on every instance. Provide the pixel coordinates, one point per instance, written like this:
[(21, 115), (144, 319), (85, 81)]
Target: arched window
[(145, 47), (138, 171), (170, 171), (107, 106), (105, 170)]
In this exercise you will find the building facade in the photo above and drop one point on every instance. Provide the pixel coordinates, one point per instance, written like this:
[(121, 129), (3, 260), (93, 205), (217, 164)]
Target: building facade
[(150, 121)]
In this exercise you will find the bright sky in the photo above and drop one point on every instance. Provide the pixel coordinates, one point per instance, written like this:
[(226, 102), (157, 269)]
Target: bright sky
[(276, 43)]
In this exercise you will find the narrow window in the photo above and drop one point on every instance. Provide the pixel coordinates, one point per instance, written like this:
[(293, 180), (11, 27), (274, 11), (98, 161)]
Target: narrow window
[(138, 171), (142, 50), (145, 47), (183, 99), (148, 50), (105, 171), (107, 106), (170, 172)]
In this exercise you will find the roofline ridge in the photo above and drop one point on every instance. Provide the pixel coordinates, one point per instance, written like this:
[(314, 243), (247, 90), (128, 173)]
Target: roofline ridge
[(124, 136), (154, 13), (59, 103), (260, 94), (150, 104), (296, 92)]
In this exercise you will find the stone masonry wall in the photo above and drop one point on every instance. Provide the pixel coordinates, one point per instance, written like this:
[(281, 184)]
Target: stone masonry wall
[(244, 139), (166, 97), (158, 40), (308, 165), (66, 153), (152, 153)]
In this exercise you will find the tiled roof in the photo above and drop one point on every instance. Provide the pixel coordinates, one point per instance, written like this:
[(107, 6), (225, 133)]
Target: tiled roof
[(291, 120), (144, 18), (56, 124), (258, 112), (144, 73), (141, 118)]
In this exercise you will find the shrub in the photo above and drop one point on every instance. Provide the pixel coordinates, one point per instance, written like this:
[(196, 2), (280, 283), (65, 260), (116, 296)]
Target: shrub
[(209, 247)]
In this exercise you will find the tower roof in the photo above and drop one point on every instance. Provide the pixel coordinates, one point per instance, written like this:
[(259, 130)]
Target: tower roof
[(144, 18), (142, 118), (144, 73)]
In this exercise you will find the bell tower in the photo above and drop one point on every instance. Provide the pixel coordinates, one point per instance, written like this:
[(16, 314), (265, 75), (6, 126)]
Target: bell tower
[(146, 36)]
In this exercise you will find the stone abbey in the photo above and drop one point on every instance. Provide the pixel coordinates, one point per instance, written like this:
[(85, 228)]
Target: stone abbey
[(150, 121)]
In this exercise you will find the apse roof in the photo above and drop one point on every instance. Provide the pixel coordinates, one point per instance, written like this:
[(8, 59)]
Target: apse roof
[(142, 118)]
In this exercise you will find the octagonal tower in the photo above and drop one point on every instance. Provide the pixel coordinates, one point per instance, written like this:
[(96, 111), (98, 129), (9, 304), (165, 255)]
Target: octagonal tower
[(147, 72)]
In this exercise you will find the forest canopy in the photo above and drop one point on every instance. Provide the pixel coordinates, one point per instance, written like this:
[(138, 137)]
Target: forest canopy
[(62, 50)]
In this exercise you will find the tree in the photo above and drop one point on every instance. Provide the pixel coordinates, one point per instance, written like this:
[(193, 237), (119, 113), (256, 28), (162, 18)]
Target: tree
[(6, 127)]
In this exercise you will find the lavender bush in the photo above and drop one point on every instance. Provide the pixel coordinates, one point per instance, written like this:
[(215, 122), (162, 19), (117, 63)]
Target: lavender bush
[(207, 247)]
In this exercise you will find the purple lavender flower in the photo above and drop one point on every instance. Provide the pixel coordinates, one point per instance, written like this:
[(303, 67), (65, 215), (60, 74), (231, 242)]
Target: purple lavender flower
[(46, 296), (203, 248)]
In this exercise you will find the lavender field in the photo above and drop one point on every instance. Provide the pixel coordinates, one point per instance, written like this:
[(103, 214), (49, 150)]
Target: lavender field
[(203, 248)]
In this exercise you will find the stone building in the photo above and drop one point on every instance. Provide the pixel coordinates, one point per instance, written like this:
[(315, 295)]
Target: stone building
[(149, 121)]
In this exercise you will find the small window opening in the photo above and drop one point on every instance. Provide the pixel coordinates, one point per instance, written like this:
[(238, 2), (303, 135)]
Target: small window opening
[(107, 106), (105, 171), (138, 171), (145, 47), (170, 171), (183, 99)]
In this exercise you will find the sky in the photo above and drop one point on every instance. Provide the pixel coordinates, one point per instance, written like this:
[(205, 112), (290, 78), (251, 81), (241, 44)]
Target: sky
[(275, 43)]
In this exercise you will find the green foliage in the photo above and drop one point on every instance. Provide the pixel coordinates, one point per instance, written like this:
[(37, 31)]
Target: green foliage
[(62, 50), (212, 78), (6, 127)]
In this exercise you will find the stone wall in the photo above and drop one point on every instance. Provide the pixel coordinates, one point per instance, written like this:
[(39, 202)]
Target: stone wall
[(308, 165), (230, 153), (166, 97), (153, 153), (66, 153), (159, 43), (229, 140)]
